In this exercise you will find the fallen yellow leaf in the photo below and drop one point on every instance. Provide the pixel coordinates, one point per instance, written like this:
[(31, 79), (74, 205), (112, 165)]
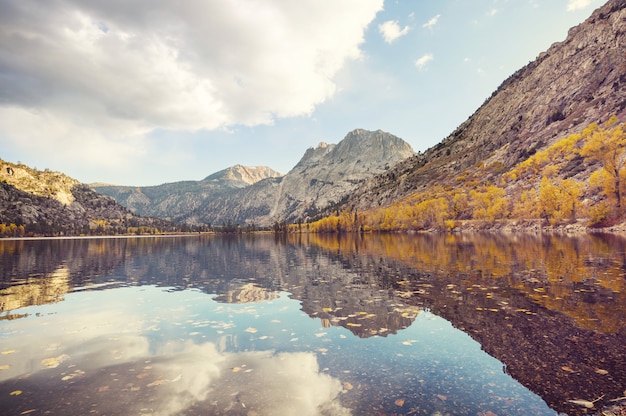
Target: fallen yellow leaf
[(16, 392), (400, 402)]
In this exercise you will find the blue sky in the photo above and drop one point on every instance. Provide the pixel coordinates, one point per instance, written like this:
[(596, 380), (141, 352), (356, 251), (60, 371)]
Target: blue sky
[(147, 92)]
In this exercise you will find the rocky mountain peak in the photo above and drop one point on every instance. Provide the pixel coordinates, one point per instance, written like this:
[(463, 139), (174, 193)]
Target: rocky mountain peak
[(323, 177), (245, 174)]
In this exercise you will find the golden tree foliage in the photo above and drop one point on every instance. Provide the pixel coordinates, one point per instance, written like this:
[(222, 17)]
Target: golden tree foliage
[(559, 200), (489, 203), (606, 145), (11, 230), (527, 206)]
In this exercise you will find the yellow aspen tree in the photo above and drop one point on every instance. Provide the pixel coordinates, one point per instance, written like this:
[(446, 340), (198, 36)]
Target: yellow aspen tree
[(489, 203), (559, 200), (549, 200), (526, 207), (607, 145)]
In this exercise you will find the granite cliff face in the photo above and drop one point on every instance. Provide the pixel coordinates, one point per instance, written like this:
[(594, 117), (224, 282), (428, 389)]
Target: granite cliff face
[(324, 177), (176, 200), (574, 83)]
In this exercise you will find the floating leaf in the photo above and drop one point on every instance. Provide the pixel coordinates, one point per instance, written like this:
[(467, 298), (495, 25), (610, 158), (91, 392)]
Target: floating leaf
[(77, 373), (601, 371), (584, 403), (442, 397), (16, 392), (327, 309), (4, 367), (54, 362), (26, 412), (347, 386), (236, 369), (400, 402), (589, 404), (154, 383), (568, 369), (7, 352)]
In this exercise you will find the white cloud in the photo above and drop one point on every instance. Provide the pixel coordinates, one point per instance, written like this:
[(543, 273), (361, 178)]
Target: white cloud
[(423, 60), (432, 22), (391, 30), (115, 71), (573, 5)]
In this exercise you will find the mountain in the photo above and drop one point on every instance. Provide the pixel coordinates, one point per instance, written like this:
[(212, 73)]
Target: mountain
[(52, 203), (579, 81), (176, 200), (324, 177)]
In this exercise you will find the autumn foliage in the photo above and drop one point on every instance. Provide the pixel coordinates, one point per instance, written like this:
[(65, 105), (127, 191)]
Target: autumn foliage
[(580, 177)]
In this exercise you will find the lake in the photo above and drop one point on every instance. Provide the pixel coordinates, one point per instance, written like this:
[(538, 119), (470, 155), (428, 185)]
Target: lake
[(313, 325)]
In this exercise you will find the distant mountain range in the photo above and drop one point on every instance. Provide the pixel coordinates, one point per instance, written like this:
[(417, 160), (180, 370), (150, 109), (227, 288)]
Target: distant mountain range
[(323, 177), (575, 83), (175, 201)]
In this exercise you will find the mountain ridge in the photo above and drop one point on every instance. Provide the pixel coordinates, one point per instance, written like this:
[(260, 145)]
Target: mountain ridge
[(174, 200), (323, 177), (576, 82)]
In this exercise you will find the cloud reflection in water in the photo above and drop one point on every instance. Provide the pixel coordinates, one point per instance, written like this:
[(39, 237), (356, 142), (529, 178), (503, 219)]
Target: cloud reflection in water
[(119, 359)]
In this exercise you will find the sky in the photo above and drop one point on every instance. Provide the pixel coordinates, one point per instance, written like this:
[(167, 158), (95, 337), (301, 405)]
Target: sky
[(144, 92)]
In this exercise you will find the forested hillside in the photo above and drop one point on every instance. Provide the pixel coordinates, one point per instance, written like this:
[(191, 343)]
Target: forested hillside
[(580, 178)]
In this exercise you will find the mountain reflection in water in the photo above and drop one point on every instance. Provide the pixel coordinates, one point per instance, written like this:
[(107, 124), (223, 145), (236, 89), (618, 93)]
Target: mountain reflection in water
[(550, 309)]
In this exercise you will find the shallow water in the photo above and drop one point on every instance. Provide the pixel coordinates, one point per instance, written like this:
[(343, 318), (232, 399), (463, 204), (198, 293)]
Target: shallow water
[(305, 325)]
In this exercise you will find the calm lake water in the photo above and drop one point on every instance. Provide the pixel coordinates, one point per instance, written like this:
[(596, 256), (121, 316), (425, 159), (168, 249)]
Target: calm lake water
[(308, 325)]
